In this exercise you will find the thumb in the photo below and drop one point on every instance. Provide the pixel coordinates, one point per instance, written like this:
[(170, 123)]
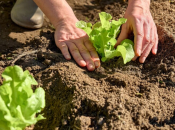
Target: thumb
[(123, 35)]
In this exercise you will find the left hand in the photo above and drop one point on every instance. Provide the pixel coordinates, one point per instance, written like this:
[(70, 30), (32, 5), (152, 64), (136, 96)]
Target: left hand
[(140, 22)]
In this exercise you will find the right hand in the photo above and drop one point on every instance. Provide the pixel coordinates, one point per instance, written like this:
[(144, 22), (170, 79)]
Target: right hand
[(71, 39)]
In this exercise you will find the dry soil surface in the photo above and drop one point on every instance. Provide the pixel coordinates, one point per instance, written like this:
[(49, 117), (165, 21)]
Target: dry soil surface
[(125, 97)]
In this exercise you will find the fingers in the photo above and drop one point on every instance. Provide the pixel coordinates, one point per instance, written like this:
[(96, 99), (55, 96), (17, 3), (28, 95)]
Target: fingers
[(147, 38), (123, 34), (86, 56), (83, 53), (64, 49), (139, 34), (76, 54), (149, 43), (135, 57), (92, 52), (155, 47), (146, 53), (88, 53), (74, 41), (148, 46)]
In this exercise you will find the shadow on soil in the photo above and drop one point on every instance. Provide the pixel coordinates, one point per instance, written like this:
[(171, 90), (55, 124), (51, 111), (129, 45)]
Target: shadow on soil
[(58, 101), (154, 121)]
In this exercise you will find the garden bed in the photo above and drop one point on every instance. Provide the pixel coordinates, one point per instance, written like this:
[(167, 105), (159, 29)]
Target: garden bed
[(115, 96)]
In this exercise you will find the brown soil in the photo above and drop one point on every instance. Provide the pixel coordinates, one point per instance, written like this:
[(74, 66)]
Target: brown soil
[(125, 97)]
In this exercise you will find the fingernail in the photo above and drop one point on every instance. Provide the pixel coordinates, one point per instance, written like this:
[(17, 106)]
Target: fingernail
[(67, 57), (83, 63), (143, 59), (96, 64), (91, 67), (155, 51), (139, 52)]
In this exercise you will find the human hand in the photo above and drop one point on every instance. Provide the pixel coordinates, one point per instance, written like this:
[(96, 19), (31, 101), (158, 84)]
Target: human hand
[(68, 37), (71, 39), (140, 22)]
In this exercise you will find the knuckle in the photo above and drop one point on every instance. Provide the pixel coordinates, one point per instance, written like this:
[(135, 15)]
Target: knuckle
[(63, 47), (146, 54), (138, 18), (148, 22), (83, 50), (89, 59), (74, 50), (79, 58), (59, 42), (92, 49), (147, 39), (140, 34), (151, 43), (90, 46)]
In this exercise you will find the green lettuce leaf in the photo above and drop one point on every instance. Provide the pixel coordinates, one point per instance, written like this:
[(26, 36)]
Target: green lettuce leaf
[(19, 104), (85, 26), (125, 50), (129, 46), (104, 18), (103, 36)]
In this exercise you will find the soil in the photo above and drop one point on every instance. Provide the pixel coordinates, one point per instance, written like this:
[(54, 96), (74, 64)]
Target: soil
[(115, 96)]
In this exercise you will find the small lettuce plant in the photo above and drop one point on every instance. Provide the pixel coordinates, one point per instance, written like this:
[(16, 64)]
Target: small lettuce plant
[(18, 103), (103, 36)]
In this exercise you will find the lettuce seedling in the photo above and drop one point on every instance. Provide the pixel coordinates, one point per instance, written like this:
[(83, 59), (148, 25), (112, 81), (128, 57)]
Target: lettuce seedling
[(18, 103), (103, 36)]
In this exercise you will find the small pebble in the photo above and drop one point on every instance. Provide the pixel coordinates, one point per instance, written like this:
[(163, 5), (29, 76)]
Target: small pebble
[(47, 62), (100, 121)]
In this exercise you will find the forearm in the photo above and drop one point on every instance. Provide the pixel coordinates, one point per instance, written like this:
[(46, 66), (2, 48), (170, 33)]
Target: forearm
[(139, 6), (56, 10), (141, 3)]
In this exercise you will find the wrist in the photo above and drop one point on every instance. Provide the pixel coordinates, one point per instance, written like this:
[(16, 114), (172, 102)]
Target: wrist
[(58, 11), (65, 15)]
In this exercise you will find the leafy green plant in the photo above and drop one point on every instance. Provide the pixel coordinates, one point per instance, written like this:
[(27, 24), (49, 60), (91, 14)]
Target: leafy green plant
[(103, 36), (18, 103)]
